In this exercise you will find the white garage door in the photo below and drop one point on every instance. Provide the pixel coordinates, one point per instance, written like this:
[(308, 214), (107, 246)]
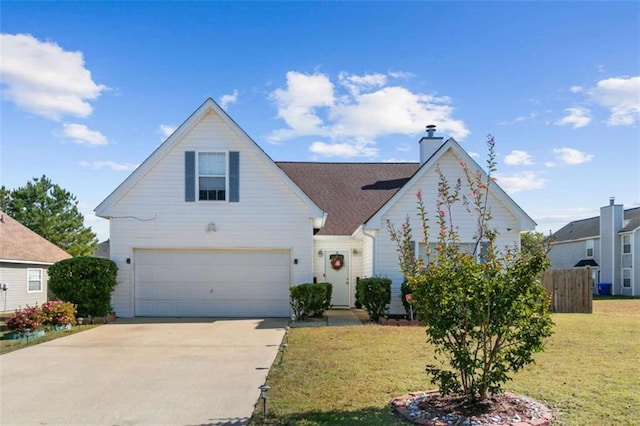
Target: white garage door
[(180, 283)]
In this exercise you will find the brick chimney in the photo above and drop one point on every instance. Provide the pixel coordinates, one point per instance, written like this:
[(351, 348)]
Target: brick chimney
[(429, 144)]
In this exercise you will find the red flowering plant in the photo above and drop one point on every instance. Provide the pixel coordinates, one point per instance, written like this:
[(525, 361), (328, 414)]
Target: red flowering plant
[(57, 313), (26, 320)]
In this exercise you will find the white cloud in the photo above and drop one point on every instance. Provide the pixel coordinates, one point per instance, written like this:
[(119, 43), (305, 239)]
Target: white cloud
[(166, 130), (227, 100), (343, 149), (524, 181), (361, 83), (576, 117), (520, 119), (357, 111), (621, 96), (43, 78), (298, 103), (575, 89), (572, 157), (473, 154), (518, 158), (81, 134), (401, 74), (117, 167)]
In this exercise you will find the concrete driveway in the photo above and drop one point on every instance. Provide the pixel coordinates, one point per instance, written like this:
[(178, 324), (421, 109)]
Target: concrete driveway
[(142, 372)]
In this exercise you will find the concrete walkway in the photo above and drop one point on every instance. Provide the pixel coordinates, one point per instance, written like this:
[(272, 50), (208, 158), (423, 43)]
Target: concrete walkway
[(333, 318)]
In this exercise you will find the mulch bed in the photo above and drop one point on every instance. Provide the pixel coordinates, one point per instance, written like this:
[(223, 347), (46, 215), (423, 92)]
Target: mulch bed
[(507, 409)]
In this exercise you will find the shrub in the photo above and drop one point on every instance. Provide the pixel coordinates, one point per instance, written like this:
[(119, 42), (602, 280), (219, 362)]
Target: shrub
[(87, 282), (310, 300), (375, 295), (57, 313), (409, 308), (29, 319), (485, 311)]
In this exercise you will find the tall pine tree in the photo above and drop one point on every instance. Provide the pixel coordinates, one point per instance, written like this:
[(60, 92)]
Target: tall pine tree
[(51, 212)]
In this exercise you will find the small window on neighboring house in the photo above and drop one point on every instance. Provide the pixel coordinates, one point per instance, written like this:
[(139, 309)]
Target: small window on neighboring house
[(626, 278), (212, 176), (626, 244), (34, 280), (589, 248)]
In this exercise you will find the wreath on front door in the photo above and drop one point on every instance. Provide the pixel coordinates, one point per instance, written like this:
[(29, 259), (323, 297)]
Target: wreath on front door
[(337, 261)]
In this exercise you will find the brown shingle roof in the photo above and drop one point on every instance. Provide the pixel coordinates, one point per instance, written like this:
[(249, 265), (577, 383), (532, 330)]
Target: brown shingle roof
[(19, 243), (350, 193)]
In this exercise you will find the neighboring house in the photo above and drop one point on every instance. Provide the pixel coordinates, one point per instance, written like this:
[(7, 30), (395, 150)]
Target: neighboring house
[(210, 225), (102, 250), (24, 259), (609, 244)]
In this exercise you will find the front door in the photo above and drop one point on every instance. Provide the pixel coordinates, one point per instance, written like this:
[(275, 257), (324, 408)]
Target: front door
[(336, 268)]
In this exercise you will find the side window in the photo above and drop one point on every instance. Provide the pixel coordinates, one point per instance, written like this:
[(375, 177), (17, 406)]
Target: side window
[(590, 248), (34, 280), (626, 244)]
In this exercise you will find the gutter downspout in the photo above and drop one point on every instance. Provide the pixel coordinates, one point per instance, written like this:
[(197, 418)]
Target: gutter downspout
[(373, 249)]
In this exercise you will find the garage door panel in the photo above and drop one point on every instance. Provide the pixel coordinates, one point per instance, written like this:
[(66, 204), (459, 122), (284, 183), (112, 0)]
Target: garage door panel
[(212, 283)]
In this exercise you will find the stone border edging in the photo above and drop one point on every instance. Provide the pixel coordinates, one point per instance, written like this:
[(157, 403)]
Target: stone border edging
[(406, 407)]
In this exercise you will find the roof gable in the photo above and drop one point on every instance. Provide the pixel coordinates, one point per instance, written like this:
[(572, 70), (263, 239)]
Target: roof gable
[(20, 244), (526, 223), (105, 208), (349, 192)]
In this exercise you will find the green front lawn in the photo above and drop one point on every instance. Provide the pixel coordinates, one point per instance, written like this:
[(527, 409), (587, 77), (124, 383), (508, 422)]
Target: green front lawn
[(348, 375)]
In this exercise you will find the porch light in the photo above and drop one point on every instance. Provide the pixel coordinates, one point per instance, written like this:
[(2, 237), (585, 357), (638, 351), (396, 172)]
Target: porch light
[(211, 227), (320, 253), (355, 252)]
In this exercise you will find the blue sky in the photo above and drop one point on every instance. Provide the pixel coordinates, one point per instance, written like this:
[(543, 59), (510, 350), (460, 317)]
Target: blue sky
[(90, 89)]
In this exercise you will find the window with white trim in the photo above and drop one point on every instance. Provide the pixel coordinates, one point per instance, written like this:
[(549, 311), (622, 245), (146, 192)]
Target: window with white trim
[(626, 278), (34, 280), (590, 246), (212, 176), (626, 244)]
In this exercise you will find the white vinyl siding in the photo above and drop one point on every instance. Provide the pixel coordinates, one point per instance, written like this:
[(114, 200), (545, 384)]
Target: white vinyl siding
[(152, 214), (34, 280), (17, 295), (504, 220)]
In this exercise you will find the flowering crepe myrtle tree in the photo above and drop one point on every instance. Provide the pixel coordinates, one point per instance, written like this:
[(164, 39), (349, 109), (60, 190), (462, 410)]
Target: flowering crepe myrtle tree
[(485, 310)]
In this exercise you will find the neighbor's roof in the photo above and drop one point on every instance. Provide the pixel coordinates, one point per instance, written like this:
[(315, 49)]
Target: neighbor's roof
[(590, 228), (20, 244), (350, 193)]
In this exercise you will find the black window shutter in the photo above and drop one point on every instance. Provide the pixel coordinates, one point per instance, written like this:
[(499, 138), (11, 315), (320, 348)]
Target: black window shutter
[(234, 176), (190, 176)]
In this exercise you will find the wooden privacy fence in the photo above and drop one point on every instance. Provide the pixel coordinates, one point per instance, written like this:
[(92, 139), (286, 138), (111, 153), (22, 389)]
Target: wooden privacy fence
[(571, 290)]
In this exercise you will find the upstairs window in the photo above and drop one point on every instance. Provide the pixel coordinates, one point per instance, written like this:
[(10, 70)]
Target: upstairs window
[(212, 176), (589, 248), (626, 244), (34, 280)]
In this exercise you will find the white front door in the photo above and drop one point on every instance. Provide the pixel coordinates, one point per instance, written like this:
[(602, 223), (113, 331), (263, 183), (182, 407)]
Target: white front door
[(336, 266)]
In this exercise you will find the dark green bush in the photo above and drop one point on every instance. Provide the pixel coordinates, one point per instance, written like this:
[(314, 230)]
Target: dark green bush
[(86, 282), (375, 295), (310, 300)]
